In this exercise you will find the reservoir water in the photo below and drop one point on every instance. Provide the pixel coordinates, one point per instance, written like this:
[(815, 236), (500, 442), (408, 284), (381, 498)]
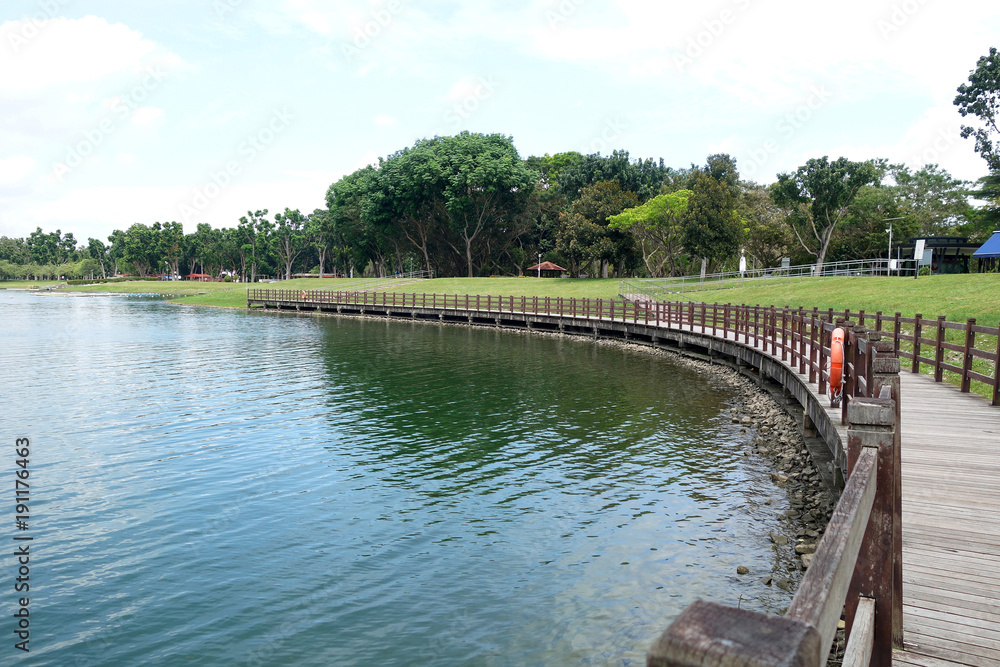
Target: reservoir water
[(219, 487)]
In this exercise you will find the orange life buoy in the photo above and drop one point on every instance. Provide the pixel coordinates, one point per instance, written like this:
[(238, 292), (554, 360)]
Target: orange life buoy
[(836, 366)]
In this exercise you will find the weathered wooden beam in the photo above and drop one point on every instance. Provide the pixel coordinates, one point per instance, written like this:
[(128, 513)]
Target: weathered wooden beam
[(707, 634), (872, 432), (859, 650), (885, 375), (821, 594)]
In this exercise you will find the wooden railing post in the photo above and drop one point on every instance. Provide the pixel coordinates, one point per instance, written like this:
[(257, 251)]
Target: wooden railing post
[(814, 342), (885, 369), (873, 424), (970, 344), (916, 343), (996, 371), (896, 329), (939, 352)]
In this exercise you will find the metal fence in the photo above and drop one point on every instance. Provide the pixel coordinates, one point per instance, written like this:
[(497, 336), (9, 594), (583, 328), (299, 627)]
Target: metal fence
[(657, 288)]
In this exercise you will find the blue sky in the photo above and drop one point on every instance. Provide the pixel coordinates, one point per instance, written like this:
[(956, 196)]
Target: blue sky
[(114, 113)]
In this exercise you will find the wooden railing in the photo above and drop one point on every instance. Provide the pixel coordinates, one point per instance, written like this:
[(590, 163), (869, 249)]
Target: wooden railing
[(799, 336), (857, 567)]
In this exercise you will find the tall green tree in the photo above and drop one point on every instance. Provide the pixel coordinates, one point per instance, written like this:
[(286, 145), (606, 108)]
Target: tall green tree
[(584, 232), (289, 238), (817, 197), (711, 228), (938, 202), (766, 237), (980, 98), (657, 229), (487, 186), (142, 249), (97, 251), (256, 232)]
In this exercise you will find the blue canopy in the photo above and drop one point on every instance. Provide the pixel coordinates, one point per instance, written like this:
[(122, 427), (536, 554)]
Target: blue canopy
[(991, 248)]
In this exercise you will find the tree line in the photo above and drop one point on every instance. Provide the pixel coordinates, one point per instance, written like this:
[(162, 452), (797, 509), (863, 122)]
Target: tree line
[(469, 205)]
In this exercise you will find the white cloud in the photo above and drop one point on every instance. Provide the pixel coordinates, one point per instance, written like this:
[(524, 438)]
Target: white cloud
[(13, 169), (383, 120), (146, 116), (66, 52)]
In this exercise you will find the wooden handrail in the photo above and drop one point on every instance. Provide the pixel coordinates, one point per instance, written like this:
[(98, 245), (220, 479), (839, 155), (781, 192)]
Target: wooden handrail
[(769, 327)]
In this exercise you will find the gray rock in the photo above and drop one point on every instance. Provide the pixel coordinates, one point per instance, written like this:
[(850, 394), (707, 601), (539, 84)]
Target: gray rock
[(742, 570)]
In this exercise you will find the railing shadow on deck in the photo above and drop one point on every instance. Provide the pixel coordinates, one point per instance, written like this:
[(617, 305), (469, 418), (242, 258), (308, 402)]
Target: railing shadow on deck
[(858, 562)]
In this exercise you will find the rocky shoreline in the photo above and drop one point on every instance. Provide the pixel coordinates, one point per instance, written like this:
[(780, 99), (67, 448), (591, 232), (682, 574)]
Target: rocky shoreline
[(776, 437)]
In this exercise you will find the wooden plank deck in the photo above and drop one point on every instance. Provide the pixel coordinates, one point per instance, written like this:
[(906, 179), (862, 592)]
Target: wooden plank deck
[(951, 526)]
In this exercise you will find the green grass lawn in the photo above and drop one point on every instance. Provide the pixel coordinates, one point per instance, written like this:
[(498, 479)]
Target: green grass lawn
[(957, 297)]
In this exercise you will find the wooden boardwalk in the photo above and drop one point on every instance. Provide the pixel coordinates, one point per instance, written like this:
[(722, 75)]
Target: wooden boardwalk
[(951, 523), (951, 526)]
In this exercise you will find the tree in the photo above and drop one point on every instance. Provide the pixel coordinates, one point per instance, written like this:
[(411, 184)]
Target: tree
[(170, 242), (255, 230), (864, 231), (817, 197), (96, 250), (289, 237), (766, 237), (345, 200), (319, 235), (938, 203), (141, 249), (656, 226), (711, 228), (981, 98), (986, 219), (584, 234), (409, 197), (486, 187)]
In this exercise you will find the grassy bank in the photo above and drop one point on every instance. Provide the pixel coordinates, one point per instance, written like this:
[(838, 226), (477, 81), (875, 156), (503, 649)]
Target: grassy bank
[(958, 297)]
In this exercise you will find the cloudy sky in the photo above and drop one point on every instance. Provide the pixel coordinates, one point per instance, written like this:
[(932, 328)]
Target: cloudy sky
[(197, 111)]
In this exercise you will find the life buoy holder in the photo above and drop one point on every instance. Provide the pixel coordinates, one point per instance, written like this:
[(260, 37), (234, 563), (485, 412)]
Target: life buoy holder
[(836, 373)]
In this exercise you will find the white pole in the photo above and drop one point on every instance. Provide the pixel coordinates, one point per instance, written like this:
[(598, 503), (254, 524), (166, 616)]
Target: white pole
[(539, 265)]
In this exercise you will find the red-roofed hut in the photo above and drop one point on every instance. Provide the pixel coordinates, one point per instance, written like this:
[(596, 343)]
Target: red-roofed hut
[(546, 270)]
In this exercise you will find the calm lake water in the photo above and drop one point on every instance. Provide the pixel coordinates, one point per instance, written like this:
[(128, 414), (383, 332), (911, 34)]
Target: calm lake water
[(217, 487)]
